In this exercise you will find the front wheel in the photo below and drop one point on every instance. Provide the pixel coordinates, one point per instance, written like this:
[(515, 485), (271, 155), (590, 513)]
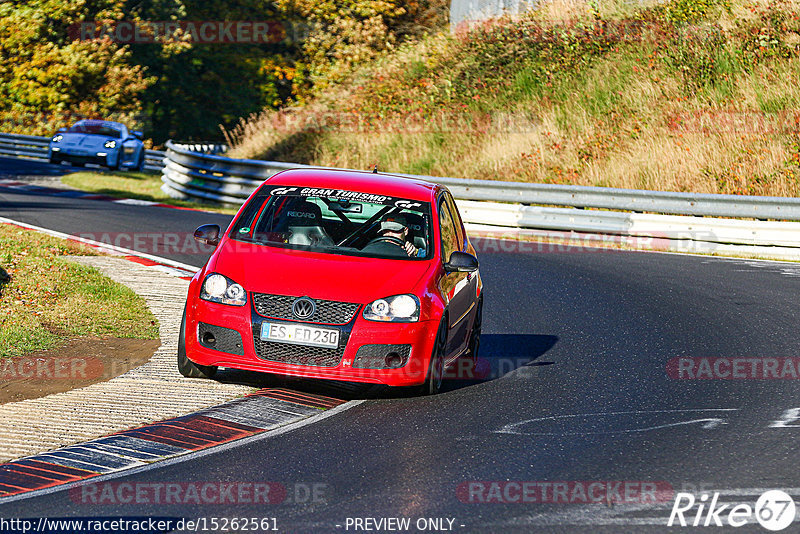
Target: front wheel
[(187, 367), (115, 165), (433, 381), (140, 161)]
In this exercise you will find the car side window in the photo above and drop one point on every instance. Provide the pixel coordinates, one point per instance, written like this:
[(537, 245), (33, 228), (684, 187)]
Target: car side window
[(447, 230), (462, 236)]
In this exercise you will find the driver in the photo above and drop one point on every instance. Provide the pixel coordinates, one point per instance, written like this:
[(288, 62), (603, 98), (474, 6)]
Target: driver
[(392, 238)]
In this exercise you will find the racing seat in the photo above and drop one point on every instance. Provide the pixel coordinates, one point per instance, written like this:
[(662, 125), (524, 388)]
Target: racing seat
[(304, 225), (417, 229)]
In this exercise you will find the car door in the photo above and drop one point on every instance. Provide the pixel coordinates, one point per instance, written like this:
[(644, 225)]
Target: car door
[(473, 279), (453, 286)]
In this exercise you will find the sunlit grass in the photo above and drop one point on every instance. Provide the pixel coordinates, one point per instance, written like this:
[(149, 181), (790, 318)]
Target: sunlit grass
[(49, 299)]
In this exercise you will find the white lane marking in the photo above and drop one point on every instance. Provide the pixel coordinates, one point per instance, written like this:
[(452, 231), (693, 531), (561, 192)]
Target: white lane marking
[(708, 423), (172, 271), (191, 269), (790, 269), (791, 415), (135, 202), (188, 455)]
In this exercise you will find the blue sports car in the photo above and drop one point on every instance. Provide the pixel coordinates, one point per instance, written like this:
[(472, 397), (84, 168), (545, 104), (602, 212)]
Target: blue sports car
[(103, 142)]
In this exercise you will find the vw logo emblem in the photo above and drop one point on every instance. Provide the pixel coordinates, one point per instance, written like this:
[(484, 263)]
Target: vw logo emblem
[(303, 308)]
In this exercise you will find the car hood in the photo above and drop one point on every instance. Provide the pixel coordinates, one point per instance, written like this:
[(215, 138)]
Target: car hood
[(265, 269), (86, 141)]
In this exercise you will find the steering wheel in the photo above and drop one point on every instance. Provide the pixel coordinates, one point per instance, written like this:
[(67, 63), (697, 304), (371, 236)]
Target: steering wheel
[(389, 239)]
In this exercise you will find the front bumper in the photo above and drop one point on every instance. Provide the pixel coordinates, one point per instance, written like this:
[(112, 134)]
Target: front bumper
[(359, 332), (106, 158)]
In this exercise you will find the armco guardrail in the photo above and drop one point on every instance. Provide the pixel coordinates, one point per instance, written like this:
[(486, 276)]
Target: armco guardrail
[(230, 180), (35, 147), (488, 204)]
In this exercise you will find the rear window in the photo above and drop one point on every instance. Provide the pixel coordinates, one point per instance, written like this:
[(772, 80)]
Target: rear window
[(336, 221)]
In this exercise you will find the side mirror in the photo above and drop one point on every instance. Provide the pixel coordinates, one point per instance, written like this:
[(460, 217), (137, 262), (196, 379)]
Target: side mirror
[(208, 234), (138, 135), (461, 262)]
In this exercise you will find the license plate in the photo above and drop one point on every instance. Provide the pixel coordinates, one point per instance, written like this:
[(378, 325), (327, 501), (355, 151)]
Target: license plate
[(300, 335)]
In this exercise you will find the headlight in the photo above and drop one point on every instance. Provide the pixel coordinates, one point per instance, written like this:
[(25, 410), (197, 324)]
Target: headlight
[(218, 288), (396, 309), (58, 138), (128, 149), (110, 144)]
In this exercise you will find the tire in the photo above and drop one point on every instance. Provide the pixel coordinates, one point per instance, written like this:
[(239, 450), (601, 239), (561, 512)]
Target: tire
[(433, 380), (187, 367), (115, 166)]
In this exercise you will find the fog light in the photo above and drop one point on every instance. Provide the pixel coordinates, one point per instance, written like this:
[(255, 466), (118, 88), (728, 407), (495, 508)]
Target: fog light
[(393, 360), (209, 339)]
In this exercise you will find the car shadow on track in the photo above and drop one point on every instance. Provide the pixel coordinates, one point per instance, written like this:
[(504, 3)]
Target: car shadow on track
[(499, 355), (30, 167)]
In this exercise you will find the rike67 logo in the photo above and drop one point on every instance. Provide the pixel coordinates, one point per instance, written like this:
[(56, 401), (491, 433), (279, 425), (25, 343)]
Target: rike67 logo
[(774, 510)]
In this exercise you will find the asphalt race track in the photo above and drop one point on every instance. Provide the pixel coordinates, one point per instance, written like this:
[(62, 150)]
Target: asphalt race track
[(577, 347)]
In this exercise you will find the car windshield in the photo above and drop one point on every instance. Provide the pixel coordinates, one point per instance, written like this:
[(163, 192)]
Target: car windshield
[(96, 128), (336, 221)]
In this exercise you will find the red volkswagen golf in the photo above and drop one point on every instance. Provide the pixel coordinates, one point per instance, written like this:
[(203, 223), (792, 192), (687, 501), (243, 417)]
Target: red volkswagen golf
[(341, 275)]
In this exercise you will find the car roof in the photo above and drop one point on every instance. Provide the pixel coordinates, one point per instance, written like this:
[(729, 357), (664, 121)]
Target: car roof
[(361, 181)]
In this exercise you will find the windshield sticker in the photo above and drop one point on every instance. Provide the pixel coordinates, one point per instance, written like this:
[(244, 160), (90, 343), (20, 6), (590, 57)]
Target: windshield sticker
[(341, 194)]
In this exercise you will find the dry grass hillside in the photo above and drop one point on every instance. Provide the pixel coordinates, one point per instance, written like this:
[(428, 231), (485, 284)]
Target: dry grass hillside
[(687, 95)]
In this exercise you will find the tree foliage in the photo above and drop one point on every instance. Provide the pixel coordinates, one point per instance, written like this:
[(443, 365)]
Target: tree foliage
[(47, 78), (176, 88), (343, 34)]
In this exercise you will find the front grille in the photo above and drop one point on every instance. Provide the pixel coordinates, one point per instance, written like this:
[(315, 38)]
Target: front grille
[(374, 356), (327, 311), (298, 354)]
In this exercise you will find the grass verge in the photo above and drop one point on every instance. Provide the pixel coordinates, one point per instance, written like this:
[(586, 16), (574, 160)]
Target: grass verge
[(136, 185), (50, 300)]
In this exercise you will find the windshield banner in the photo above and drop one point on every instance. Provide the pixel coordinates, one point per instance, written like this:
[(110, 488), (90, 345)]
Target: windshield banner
[(341, 194)]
